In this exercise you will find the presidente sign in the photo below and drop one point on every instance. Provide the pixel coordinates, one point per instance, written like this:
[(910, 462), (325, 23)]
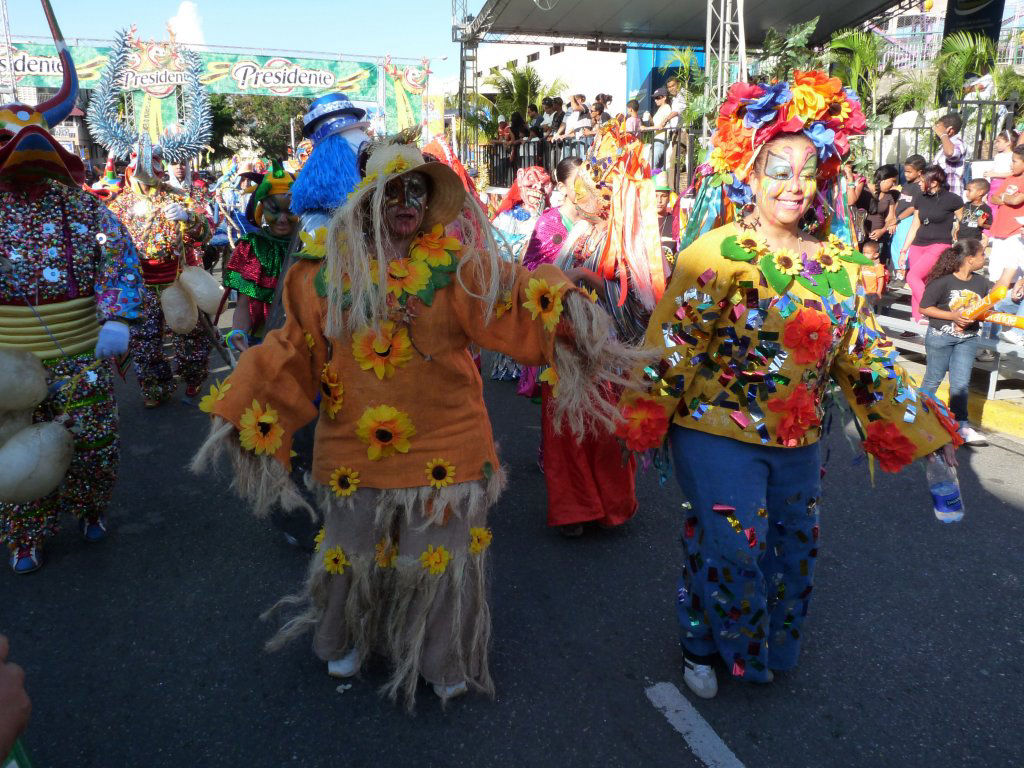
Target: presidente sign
[(156, 69)]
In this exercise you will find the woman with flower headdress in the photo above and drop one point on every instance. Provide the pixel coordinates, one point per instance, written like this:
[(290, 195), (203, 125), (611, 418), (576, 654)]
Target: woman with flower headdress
[(514, 221), (258, 257), (405, 467), (760, 318)]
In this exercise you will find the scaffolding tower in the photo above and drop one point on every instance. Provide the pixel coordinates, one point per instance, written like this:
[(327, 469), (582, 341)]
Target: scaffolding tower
[(467, 134), (8, 84), (725, 48)]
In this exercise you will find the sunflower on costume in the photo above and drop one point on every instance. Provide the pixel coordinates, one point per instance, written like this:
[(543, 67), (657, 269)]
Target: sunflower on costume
[(382, 351), (344, 481), (217, 392), (828, 261), (260, 432), (335, 561), (440, 473), (787, 262), (503, 304), (550, 377), (385, 430), (332, 390), (479, 540), (435, 560), (318, 540), (435, 247), (407, 276), (385, 554), (314, 243), (544, 301)]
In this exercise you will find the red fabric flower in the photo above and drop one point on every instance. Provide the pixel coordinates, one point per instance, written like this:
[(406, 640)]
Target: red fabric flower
[(644, 424), (737, 93), (799, 413), (887, 444), (808, 335)]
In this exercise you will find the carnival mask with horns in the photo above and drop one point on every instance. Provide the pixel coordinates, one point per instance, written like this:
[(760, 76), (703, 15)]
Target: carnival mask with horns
[(146, 160), (26, 146)]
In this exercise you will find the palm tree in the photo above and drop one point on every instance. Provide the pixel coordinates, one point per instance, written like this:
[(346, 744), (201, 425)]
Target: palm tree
[(858, 60), (1009, 84), (963, 54), (518, 87), (782, 53), (914, 90)]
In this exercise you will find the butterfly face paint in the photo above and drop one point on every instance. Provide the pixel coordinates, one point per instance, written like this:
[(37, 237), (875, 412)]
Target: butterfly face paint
[(786, 184)]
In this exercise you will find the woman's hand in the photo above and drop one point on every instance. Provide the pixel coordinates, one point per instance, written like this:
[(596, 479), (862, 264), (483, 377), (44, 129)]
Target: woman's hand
[(876, 234), (961, 320)]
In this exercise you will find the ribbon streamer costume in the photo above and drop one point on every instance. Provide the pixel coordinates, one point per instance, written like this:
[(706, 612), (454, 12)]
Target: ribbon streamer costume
[(514, 220), (405, 467), (752, 339), (67, 269), (166, 242)]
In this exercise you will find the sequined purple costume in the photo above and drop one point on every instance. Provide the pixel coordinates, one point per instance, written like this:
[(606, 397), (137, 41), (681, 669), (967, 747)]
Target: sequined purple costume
[(63, 248)]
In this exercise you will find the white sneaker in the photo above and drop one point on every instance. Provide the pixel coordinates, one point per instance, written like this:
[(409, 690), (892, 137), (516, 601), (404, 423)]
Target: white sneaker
[(346, 666), (700, 678), (445, 692), (971, 436)]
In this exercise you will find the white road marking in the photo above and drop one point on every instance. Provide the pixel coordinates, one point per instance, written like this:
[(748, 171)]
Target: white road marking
[(699, 735)]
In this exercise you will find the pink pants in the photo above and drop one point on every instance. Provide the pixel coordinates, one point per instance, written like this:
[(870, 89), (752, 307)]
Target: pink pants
[(921, 259)]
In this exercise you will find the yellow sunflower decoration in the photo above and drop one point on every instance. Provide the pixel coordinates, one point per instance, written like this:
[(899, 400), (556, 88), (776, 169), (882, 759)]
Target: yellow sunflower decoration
[(314, 243), (260, 432), (385, 430), (332, 390), (407, 276), (787, 262), (344, 481), (544, 301), (435, 560), (335, 561), (503, 304), (318, 540), (435, 248), (217, 392), (440, 473), (382, 351), (386, 554), (479, 539), (550, 377)]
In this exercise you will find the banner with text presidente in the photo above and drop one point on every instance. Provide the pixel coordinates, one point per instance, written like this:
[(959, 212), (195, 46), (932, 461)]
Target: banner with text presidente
[(158, 72)]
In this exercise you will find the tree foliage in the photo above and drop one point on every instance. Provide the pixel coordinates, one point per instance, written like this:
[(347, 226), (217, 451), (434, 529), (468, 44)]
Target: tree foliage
[(517, 87), (259, 122), (782, 53), (857, 59), (962, 55)]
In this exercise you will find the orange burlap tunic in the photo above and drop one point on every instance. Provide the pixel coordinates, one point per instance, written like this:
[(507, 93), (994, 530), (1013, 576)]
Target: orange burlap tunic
[(436, 389)]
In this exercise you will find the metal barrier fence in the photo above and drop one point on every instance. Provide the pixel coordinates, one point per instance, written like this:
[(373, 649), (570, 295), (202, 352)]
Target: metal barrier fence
[(674, 150)]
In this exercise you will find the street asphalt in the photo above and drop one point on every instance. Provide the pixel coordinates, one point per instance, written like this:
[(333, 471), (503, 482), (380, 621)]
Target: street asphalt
[(146, 650)]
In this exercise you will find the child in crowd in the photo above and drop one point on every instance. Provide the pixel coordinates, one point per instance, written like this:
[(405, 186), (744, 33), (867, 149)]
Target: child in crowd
[(875, 278), (950, 289), (913, 167), (976, 216), (633, 116), (1004, 235), (951, 156)]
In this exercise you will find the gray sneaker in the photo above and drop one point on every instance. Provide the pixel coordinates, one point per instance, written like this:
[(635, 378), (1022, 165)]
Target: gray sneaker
[(700, 678)]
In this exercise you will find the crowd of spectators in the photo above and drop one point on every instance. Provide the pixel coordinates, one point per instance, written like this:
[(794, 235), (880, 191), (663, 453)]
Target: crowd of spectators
[(556, 128)]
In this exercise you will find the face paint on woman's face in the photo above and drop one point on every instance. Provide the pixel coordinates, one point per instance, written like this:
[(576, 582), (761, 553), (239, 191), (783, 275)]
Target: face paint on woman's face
[(276, 215), (786, 185), (405, 203), (408, 191)]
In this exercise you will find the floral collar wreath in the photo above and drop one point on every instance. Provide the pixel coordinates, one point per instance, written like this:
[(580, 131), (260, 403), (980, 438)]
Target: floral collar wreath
[(753, 114)]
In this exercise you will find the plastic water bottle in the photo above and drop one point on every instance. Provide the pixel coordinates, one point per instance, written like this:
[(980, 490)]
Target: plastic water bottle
[(945, 489)]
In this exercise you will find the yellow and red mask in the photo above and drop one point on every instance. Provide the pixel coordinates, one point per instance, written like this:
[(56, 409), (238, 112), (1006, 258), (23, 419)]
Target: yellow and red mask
[(27, 149)]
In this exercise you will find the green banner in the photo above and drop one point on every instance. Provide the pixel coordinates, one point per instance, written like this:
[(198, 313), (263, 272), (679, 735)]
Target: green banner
[(157, 70)]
